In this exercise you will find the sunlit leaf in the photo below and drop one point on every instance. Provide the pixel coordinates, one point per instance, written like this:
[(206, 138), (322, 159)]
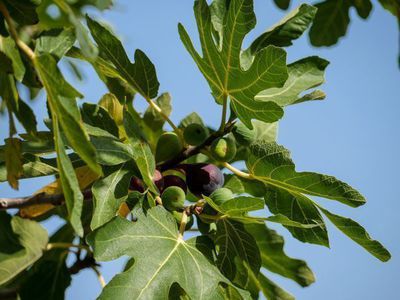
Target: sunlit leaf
[(141, 75), (109, 193), (271, 163), (61, 96), (172, 259), (56, 42), (304, 74), (358, 234), (221, 65)]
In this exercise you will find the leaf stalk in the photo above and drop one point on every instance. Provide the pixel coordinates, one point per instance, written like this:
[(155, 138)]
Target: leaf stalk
[(24, 47)]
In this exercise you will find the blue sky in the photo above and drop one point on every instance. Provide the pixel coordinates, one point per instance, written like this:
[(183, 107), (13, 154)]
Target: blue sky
[(353, 135)]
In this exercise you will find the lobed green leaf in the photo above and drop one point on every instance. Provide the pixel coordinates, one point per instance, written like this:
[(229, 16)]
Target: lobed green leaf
[(162, 258), (22, 242)]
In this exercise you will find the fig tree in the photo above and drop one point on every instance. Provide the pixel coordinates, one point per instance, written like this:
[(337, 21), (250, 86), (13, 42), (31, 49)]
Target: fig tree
[(223, 149), (168, 146), (173, 198), (203, 179), (221, 195), (195, 134)]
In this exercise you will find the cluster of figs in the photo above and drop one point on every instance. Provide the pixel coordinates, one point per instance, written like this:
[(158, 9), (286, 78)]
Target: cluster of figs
[(197, 178)]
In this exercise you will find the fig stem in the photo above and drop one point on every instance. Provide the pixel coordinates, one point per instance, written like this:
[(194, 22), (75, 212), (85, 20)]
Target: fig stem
[(223, 118), (164, 116), (237, 171), (24, 47), (52, 246), (193, 150), (159, 200), (99, 276), (183, 224)]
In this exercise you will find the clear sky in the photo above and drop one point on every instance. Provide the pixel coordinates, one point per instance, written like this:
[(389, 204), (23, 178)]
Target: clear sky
[(353, 135)]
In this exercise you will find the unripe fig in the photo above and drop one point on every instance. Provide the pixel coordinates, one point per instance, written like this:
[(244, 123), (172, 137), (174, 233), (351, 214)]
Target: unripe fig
[(173, 198), (223, 149), (203, 179), (221, 195), (172, 180), (195, 134), (168, 146), (178, 217)]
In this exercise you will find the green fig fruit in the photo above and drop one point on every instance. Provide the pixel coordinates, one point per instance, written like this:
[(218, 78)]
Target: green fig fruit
[(223, 149), (178, 217), (195, 134), (221, 195), (173, 198), (168, 146)]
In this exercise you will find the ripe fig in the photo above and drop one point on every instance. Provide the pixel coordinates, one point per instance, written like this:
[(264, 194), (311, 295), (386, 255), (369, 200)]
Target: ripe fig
[(223, 149), (173, 198), (168, 146), (203, 179), (158, 180), (136, 184), (172, 180), (195, 134), (221, 195), (178, 217)]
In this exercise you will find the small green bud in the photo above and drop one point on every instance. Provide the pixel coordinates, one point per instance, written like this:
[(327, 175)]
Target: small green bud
[(173, 198)]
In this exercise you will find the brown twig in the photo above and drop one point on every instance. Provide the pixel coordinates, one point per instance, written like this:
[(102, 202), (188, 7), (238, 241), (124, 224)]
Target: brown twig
[(80, 264), (41, 198), (193, 150), (8, 294)]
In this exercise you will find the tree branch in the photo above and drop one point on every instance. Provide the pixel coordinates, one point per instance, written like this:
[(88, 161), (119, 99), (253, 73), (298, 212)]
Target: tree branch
[(41, 198), (80, 264), (24, 47), (193, 150)]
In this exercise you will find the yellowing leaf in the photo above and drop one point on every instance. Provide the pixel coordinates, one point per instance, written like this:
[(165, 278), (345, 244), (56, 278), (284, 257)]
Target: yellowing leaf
[(85, 178), (13, 161)]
